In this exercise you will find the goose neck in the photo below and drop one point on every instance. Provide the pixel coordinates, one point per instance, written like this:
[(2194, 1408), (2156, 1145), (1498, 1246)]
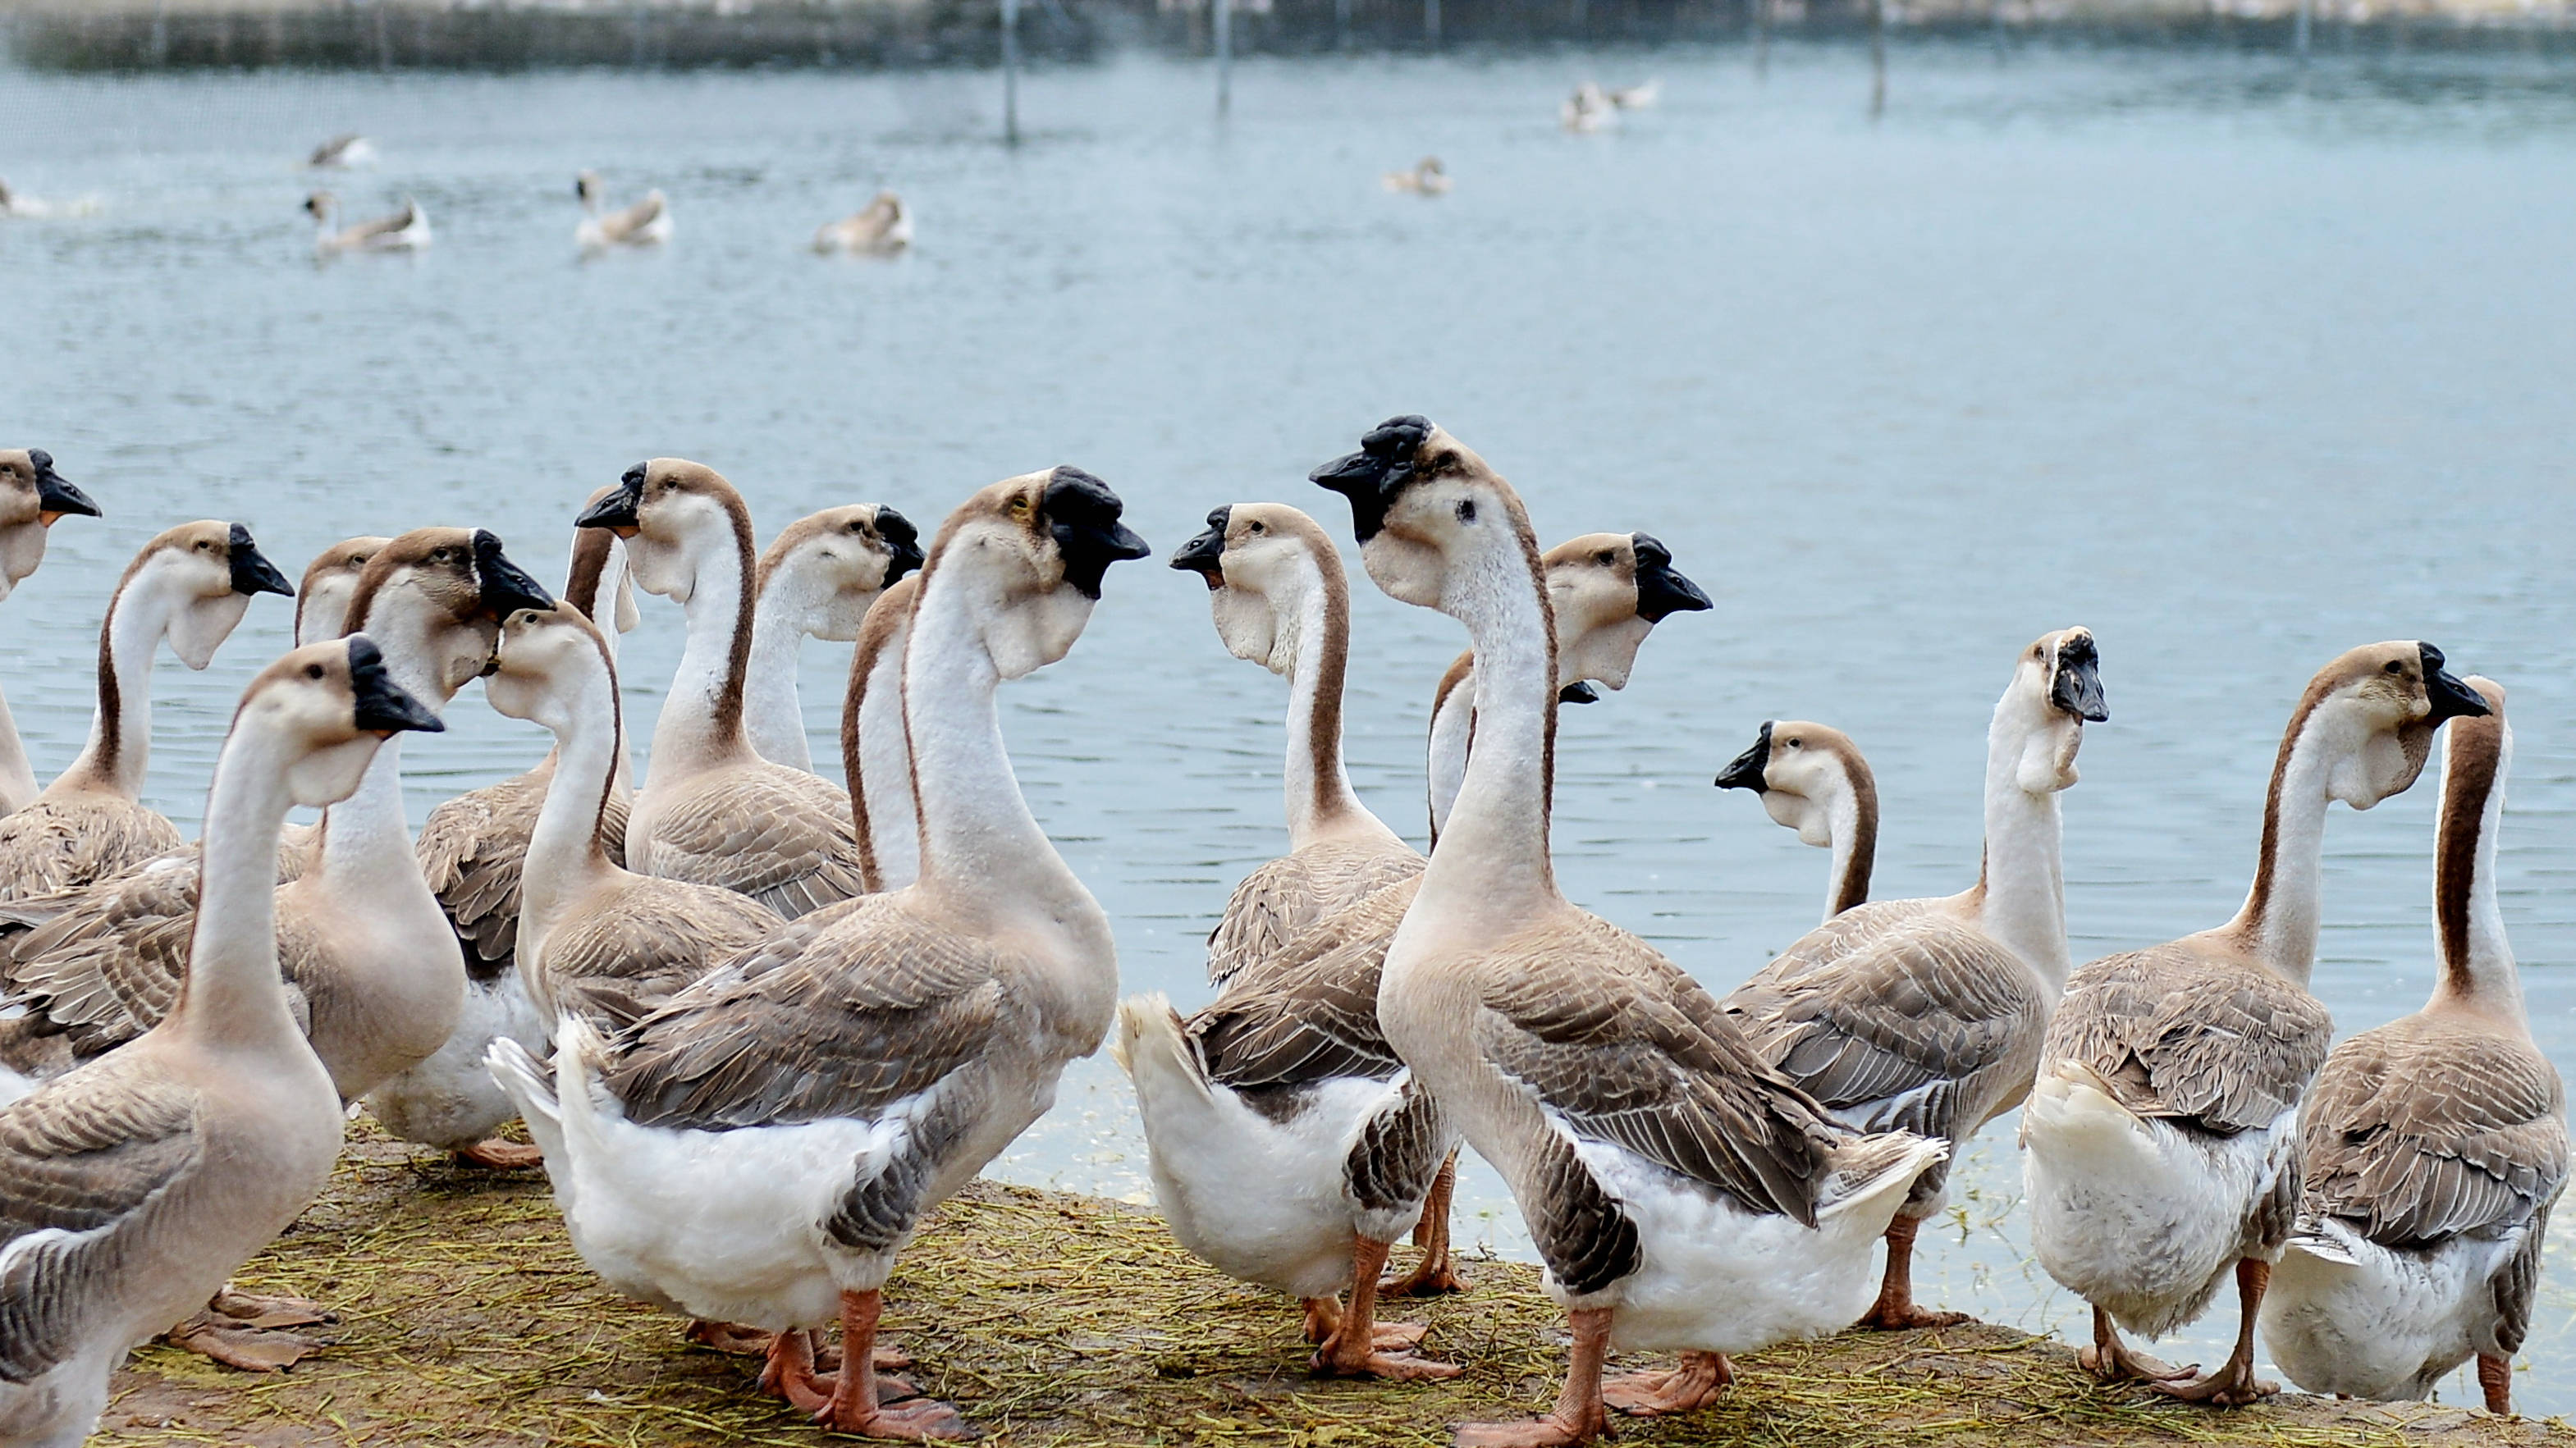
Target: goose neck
[(773, 709), (17, 775), (120, 732), (366, 842), (876, 758), (2021, 882), (2478, 972), (1854, 824), (1495, 843), (1318, 795), (2279, 918), (232, 994), (564, 849), (702, 719)]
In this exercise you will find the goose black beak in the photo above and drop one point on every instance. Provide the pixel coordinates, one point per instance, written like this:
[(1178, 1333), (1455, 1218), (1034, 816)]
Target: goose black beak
[(2450, 698), (1204, 554), (616, 511), (252, 572), (56, 497), (1745, 770), (507, 588), (903, 544), (1661, 591), (383, 705), (1082, 514), (1579, 692), (1372, 477), (2077, 689)]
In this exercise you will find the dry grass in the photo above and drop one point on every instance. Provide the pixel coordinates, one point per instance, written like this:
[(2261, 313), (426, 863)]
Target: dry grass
[(468, 1320)]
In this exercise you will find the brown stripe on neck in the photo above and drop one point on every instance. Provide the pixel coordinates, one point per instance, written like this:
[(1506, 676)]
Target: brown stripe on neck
[(1528, 539), (616, 738), (111, 693), (2258, 901), (885, 619), (1863, 857), (1450, 680), (589, 565), (1332, 664), (2468, 782), (728, 712)]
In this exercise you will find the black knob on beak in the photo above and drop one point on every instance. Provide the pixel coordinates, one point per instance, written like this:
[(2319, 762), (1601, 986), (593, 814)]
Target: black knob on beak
[(253, 573)]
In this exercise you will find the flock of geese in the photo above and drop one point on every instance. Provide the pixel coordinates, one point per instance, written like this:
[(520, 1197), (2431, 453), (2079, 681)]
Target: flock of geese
[(758, 1026)]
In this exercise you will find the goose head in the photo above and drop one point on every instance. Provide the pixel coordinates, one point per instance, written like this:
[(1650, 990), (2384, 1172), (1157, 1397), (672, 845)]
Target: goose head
[(674, 515), (207, 571), (1265, 565), (1031, 552), (548, 659), (329, 705), (2375, 709), (597, 554), (1609, 591), (1803, 771), (1424, 510), (330, 582), (586, 190), (828, 568), (32, 496), (2056, 690), (434, 598), (320, 205)]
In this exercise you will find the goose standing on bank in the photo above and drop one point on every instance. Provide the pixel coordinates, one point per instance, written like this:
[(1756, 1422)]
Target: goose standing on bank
[(189, 585), (2161, 1137), (817, 579), (880, 228), (404, 230), (132, 1187), (644, 223), (1926, 1016), (759, 1149), (1681, 1193), (712, 811), (32, 497), (2433, 1146), (1813, 779)]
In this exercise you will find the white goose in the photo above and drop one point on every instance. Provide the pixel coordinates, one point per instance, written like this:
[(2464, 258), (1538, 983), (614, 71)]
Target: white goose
[(32, 496), (1813, 779), (1681, 1194), (2161, 1137), (643, 223), (132, 1187), (404, 230), (760, 1149), (880, 228), (1926, 1015), (817, 579), (2434, 1146)]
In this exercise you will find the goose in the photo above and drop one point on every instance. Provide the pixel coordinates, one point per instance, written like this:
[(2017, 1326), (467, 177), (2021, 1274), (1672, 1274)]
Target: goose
[(1589, 109), (759, 1149), (1638, 97), (1609, 591), (342, 152), (1813, 779), (1926, 1015), (190, 585), (32, 497), (19, 206), (880, 228), (2160, 1141), (2433, 1147), (1427, 178), (712, 810), (404, 230), (875, 756), (1681, 1193), (1286, 1075), (817, 578), (130, 1188), (645, 223)]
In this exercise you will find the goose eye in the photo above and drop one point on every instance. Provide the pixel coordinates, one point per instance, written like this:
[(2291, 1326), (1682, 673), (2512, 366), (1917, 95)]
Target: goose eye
[(203, 545), (1259, 528), (1608, 558), (313, 671), (1793, 744), (2396, 667), (1466, 510), (1020, 506)]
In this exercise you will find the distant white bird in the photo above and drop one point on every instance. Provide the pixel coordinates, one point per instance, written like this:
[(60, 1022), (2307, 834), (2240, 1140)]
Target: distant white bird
[(1427, 178), (1637, 97), (646, 223), (341, 152), (1588, 109), (27, 208), (881, 228), (405, 230)]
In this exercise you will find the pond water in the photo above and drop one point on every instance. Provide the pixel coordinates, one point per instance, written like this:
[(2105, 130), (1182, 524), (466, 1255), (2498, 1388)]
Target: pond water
[(2237, 363)]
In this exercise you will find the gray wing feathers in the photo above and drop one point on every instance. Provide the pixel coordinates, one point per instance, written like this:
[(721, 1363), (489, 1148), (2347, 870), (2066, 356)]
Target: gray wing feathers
[(1280, 901), (2175, 1034), (2415, 1136), (784, 837), (1308, 1012)]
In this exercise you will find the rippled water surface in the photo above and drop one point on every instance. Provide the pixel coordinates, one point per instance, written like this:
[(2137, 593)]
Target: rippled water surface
[(2239, 365)]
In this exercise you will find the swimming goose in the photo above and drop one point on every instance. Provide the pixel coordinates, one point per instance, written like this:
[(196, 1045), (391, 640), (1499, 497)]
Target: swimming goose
[(1427, 178), (32, 496), (1681, 1194), (880, 228), (19, 206), (2433, 1147), (595, 938), (816, 579), (760, 1149), (1609, 591), (404, 230), (875, 756), (189, 585), (342, 152), (1812, 779), (1588, 109), (131, 1187), (2161, 1149), (1638, 97), (644, 223), (1926, 1015), (712, 811)]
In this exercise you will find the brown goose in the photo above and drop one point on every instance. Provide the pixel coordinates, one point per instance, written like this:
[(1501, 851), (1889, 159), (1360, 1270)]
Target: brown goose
[(32, 497), (2161, 1149), (2433, 1147)]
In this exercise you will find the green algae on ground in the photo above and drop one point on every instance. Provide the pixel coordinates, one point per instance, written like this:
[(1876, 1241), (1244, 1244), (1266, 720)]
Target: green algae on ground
[(467, 1319)]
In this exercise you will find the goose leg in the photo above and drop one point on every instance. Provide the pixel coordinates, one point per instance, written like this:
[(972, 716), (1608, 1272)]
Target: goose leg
[(2495, 1375), (1895, 1310), (730, 1337), (1579, 1415), (241, 1330), (1701, 1379), (1355, 1348), (501, 1155), (2234, 1384), (855, 1400), (2113, 1361), (1433, 1274)]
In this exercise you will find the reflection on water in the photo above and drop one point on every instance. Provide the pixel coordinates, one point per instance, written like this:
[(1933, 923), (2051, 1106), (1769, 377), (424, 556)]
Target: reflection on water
[(2238, 367)]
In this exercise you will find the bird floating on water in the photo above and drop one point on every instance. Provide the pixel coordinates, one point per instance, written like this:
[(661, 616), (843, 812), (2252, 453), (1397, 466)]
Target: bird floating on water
[(23, 207), (881, 228), (404, 230), (1427, 178), (1637, 97), (1588, 109), (645, 223), (342, 152)]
